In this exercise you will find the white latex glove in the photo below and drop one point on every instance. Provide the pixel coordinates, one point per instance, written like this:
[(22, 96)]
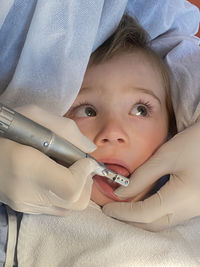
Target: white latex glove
[(179, 199), (32, 182)]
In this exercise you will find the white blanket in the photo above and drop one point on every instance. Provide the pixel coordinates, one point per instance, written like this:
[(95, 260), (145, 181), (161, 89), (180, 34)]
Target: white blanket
[(90, 238)]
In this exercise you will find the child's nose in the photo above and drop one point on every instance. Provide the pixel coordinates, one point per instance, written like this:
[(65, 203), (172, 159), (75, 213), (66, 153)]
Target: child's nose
[(111, 133)]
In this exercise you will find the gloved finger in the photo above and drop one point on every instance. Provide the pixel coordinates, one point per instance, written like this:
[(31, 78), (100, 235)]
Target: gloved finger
[(161, 163), (141, 211), (179, 216), (36, 203), (46, 202), (84, 199), (34, 209), (156, 226), (49, 203), (45, 206), (44, 182), (66, 183), (84, 169), (50, 199), (169, 199), (62, 126)]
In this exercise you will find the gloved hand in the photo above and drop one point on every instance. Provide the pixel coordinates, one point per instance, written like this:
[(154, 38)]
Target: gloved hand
[(178, 200), (32, 182)]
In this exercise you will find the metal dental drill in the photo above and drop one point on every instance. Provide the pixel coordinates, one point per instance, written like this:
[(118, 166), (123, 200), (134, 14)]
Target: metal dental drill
[(19, 128)]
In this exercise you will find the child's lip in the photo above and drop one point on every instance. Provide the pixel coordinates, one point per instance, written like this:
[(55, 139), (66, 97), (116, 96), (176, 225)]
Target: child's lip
[(103, 184), (105, 188)]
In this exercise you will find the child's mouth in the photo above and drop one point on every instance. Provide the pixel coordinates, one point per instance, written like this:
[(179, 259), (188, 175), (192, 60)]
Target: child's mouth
[(107, 186)]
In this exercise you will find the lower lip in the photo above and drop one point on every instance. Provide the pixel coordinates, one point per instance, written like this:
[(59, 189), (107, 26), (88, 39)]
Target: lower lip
[(105, 188)]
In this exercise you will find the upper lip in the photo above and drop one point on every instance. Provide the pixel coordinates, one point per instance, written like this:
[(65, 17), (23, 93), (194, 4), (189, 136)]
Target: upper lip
[(115, 161)]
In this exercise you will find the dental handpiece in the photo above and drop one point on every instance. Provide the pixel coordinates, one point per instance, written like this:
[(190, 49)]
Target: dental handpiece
[(16, 127)]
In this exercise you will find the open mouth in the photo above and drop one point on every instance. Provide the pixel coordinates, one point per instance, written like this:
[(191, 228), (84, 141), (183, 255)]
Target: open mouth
[(107, 186)]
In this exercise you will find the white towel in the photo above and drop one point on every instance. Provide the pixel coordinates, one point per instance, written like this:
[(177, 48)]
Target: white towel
[(89, 238)]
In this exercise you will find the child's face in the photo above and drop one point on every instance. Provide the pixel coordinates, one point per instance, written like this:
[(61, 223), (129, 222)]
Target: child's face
[(121, 108)]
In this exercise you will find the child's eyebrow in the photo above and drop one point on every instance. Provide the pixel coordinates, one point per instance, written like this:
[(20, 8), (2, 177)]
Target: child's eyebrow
[(149, 92), (143, 90)]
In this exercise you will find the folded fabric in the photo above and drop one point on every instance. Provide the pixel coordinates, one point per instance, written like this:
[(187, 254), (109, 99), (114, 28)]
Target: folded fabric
[(89, 238), (46, 45)]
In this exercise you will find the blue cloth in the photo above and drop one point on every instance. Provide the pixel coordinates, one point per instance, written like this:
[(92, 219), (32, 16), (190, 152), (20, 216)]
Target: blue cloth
[(21, 8), (3, 233)]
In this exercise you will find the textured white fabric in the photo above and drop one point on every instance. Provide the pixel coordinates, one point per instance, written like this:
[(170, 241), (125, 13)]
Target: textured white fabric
[(90, 238), (45, 47)]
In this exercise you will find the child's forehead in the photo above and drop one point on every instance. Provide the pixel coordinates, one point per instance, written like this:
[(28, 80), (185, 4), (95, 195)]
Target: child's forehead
[(85, 90), (128, 60), (127, 70)]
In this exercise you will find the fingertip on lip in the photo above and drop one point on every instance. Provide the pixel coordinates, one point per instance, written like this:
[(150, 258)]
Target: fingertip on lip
[(119, 195), (121, 198), (118, 191), (116, 198)]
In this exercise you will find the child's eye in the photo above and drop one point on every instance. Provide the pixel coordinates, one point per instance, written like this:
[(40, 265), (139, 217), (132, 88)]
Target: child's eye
[(140, 110), (84, 111)]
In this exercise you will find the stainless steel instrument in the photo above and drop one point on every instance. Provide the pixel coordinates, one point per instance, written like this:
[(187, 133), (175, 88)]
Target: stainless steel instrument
[(21, 129)]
